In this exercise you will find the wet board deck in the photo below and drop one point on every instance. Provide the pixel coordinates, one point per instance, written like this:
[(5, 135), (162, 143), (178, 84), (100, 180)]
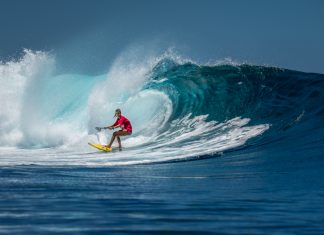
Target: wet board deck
[(100, 147)]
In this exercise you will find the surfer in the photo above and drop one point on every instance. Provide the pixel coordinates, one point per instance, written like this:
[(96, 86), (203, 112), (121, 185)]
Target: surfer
[(124, 124)]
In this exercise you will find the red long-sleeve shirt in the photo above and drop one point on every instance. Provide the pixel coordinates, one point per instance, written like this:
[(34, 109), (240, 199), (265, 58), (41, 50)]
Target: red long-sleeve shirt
[(125, 123)]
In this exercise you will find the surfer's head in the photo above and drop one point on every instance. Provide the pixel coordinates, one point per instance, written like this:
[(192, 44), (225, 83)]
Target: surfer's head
[(117, 113)]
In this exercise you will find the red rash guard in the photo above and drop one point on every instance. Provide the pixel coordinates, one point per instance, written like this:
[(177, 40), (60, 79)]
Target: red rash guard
[(125, 124)]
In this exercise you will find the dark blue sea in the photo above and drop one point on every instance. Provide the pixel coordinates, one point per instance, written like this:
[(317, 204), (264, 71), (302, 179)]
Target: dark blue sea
[(219, 148)]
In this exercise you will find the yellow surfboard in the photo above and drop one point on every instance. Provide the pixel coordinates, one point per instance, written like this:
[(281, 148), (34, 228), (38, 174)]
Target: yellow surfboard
[(100, 147)]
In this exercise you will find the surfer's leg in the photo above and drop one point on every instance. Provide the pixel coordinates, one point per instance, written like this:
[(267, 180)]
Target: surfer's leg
[(112, 139), (119, 142), (117, 134)]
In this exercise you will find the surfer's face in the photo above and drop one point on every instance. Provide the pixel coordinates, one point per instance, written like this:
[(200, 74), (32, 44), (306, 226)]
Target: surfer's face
[(117, 114)]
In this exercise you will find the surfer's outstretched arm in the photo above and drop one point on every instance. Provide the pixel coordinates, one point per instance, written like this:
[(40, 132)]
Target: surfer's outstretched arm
[(113, 126)]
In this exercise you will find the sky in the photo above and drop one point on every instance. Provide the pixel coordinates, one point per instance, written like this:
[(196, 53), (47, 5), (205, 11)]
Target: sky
[(87, 36)]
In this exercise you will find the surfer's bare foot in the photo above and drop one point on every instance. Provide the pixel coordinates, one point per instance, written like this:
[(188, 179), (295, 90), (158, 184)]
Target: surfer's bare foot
[(120, 148)]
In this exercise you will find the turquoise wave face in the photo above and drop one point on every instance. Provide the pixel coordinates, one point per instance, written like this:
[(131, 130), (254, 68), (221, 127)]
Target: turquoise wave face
[(224, 91), (179, 110), (290, 102)]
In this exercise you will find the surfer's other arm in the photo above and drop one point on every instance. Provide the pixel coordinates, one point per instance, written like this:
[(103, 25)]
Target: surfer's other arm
[(113, 126)]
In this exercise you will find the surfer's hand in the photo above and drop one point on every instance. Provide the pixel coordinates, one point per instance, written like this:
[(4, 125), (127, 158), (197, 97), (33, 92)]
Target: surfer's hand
[(110, 128)]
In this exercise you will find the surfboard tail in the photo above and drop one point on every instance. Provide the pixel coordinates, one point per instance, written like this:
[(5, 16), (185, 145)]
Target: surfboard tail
[(101, 147)]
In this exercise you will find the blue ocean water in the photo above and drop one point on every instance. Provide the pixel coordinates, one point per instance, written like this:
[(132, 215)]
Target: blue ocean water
[(217, 148)]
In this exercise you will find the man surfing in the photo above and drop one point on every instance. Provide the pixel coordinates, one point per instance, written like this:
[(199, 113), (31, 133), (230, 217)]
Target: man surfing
[(123, 123)]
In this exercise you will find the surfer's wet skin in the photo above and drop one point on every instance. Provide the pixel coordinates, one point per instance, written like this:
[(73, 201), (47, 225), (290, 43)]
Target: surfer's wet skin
[(252, 135)]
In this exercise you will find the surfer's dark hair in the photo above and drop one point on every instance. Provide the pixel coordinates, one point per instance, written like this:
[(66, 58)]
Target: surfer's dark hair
[(117, 111)]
